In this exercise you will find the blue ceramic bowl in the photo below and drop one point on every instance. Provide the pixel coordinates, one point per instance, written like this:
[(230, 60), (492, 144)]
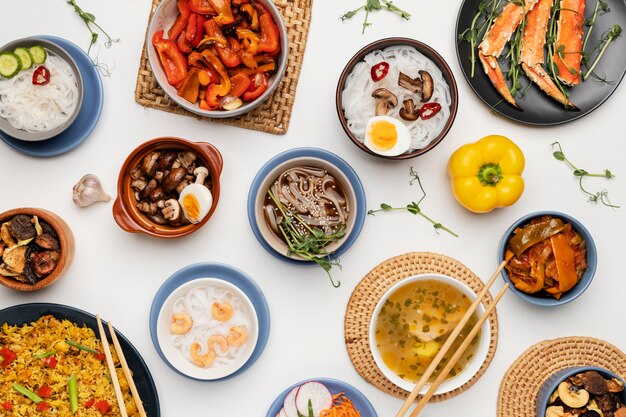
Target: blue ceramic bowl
[(553, 382), (335, 386), (592, 260)]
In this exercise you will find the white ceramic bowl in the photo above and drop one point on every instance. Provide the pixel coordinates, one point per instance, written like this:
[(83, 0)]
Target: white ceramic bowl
[(459, 379), (175, 356)]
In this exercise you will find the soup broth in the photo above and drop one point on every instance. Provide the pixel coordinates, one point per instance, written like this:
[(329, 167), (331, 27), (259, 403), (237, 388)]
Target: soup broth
[(415, 322)]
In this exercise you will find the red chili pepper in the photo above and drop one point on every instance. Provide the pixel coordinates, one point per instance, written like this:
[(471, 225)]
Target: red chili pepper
[(50, 362), (379, 71), (195, 29), (429, 110), (42, 406), (41, 76), (102, 406), (173, 61), (45, 391), (181, 21), (89, 403), (7, 405), (257, 87), (8, 356)]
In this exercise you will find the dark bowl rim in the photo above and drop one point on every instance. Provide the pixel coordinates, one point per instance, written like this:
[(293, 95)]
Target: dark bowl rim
[(439, 61), (580, 287)]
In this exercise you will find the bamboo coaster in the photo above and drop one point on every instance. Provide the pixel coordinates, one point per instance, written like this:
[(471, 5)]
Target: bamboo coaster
[(372, 287), (274, 114), (522, 381)]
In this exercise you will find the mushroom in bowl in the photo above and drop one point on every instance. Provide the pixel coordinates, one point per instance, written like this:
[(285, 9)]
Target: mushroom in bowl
[(168, 187), (36, 248), (217, 58)]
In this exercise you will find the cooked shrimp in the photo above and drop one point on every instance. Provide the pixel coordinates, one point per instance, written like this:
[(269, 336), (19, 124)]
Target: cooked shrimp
[(222, 311), (237, 336), (181, 323), (220, 340), (204, 361)]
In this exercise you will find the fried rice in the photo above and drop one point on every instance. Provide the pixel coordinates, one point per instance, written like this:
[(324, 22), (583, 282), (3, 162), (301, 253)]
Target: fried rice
[(22, 364)]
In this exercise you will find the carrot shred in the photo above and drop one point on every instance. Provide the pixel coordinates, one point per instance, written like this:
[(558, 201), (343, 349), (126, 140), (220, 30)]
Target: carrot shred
[(342, 407)]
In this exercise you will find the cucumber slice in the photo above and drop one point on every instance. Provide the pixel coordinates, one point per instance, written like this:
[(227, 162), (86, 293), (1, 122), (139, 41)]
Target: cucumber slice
[(25, 57), (10, 64), (38, 53)]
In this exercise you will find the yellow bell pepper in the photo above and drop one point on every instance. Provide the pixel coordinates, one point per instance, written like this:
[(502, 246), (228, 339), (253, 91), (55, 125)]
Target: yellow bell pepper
[(487, 174)]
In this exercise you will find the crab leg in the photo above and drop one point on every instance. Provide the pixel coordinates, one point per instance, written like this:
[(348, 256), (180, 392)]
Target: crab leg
[(496, 38), (569, 40), (532, 55)]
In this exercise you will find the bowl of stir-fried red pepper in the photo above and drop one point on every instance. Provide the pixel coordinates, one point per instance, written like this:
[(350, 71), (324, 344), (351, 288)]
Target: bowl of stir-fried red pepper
[(551, 258), (217, 58)]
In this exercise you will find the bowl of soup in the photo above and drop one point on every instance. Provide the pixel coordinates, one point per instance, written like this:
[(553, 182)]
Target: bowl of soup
[(412, 321)]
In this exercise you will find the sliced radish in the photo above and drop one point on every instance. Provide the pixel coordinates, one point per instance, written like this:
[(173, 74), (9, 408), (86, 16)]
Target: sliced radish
[(319, 396), (281, 413), (289, 405)]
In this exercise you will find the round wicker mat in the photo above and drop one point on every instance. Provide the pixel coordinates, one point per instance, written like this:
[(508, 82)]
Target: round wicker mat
[(372, 287), (522, 381)]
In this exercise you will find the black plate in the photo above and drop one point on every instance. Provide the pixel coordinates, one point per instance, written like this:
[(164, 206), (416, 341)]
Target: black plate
[(27, 313), (537, 107)]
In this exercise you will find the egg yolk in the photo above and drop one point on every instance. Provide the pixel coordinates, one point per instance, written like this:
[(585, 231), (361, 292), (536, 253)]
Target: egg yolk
[(383, 135), (191, 207)]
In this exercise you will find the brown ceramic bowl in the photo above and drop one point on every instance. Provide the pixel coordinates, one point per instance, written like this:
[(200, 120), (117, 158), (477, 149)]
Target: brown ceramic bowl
[(66, 242), (426, 51), (125, 212)]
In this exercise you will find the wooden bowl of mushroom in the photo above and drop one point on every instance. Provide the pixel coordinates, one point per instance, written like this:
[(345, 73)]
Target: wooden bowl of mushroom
[(36, 248), (168, 187)]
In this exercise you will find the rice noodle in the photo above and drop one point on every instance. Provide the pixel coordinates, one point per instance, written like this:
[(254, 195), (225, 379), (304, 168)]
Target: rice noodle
[(359, 105), (39, 108)]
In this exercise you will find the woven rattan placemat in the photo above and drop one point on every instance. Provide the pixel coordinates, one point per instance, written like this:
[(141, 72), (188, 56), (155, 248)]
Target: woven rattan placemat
[(521, 383), (272, 116), (372, 287)]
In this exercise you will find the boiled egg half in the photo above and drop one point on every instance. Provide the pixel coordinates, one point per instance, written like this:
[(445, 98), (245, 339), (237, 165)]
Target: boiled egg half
[(387, 136), (195, 201)]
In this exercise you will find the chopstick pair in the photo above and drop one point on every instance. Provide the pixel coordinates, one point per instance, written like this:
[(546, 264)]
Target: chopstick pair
[(125, 368), (446, 346)]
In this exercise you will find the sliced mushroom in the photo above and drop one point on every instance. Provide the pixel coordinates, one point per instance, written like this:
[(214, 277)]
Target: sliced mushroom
[(151, 186), (139, 184), (428, 86), (409, 111), (46, 228), (187, 159), (148, 164), (22, 227), (555, 411), (201, 173), (174, 178), (385, 100), (45, 262), (595, 383), (149, 208), (615, 385), (414, 85), (572, 396), (593, 406), (5, 234), (554, 397), (45, 241), (158, 218), (6, 272), (171, 211), (179, 188), (157, 194), (15, 258), (165, 161), (136, 172)]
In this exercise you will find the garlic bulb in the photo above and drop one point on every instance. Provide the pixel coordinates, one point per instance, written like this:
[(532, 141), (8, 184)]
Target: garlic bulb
[(88, 191)]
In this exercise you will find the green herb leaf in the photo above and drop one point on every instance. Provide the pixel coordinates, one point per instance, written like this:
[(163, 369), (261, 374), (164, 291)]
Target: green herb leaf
[(375, 5), (559, 155)]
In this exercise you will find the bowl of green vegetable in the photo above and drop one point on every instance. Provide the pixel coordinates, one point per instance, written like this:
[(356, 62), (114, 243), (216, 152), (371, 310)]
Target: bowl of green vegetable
[(41, 89)]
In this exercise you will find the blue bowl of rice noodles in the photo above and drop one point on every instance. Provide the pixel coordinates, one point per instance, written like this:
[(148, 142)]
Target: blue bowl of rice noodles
[(38, 104), (411, 104)]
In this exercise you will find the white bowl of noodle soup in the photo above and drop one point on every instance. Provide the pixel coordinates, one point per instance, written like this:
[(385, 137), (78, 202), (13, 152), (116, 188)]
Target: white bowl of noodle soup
[(339, 181), (196, 298), (35, 113), (356, 106)]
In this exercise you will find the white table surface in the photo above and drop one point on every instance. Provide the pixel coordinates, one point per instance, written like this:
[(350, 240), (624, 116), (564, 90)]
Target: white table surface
[(117, 274)]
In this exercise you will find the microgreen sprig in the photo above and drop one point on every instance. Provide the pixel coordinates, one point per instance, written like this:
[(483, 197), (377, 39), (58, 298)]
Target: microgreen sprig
[(413, 207), (373, 5), (488, 10), (603, 195), (606, 39)]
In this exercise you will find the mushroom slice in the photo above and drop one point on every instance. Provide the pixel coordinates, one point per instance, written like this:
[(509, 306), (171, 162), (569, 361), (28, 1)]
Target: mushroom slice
[(15, 258), (414, 85), (172, 179), (572, 396), (428, 86), (6, 272), (386, 100), (45, 241), (171, 211), (22, 227), (45, 262), (5, 234), (555, 411), (148, 164), (554, 397), (595, 383), (409, 111), (615, 385), (593, 406)]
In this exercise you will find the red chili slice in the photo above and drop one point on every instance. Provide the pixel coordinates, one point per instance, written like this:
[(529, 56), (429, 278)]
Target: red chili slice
[(379, 71), (89, 403), (43, 406), (41, 76), (7, 405), (50, 362), (429, 110), (100, 356), (45, 391)]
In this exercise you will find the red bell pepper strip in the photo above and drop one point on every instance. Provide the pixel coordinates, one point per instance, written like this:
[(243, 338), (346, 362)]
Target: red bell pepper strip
[(224, 13), (190, 89), (181, 21), (212, 59), (261, 68), (41, 76), (102, 406), (201, 6), (225, 48), (173, 61), (211, 98), (50, 362), (240, 84), (258, 85), (7, 406), (269, 31), (44, 392), (249, 39), (42, 406), (89, 403), (254, 15), (195, 29), (183, 44), (7, 356), (240, 2)]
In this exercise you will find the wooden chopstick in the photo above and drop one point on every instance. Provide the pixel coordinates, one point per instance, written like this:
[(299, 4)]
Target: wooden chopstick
[(127, 373), (109, 357), (446, 346), (453, 360)]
